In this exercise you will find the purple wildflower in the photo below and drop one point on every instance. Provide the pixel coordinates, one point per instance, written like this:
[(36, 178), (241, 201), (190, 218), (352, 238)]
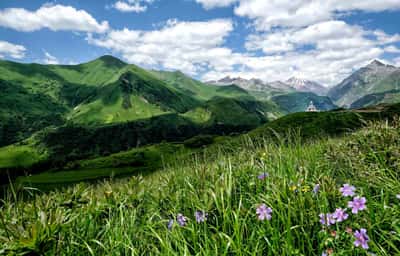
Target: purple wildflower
[(170, 224), (358, 204), (316, 188), (340, 215), (181, 219), (200, 216), (264, 212), (327, 219), (347, 190), (263, 176), (324, 254), (362, 238)]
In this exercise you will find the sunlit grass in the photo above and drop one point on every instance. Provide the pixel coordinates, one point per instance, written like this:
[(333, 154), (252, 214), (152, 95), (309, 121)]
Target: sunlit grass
[(131, 216)]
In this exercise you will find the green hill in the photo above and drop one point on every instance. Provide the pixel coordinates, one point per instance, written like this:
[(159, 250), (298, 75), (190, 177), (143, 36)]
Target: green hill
[(99, 92)]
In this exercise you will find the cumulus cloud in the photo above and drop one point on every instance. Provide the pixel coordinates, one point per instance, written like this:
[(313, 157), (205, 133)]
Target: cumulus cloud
[(53, 17), (210, 4), (132, 5), (298, 13), (188, 46), (50, 59), (8, 49)]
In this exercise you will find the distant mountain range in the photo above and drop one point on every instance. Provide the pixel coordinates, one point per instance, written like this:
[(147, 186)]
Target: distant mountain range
[(373, 84), (291, 85)]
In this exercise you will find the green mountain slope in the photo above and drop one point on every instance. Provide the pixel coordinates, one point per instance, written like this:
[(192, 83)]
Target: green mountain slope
[(299, 101), (387, 97), (23, 113), (133, 96), (374, 78)]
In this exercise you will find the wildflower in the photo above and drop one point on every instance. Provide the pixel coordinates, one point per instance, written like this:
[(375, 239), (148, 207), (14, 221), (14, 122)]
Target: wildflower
[(324, 254), (181, 219), (306, 188), (333, 233), (358, 204), (362, 238), (327, 219), (200, 216), (293, 188), (340, 215), (170, 224), (347, 190), (263, 176), (264, 212), (316, 188), (398, 196)]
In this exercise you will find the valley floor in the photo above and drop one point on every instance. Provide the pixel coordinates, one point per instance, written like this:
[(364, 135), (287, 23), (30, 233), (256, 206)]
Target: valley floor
[(256, 198)]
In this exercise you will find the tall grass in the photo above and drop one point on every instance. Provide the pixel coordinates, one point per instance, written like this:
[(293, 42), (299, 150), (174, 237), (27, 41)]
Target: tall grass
[(131, 216)]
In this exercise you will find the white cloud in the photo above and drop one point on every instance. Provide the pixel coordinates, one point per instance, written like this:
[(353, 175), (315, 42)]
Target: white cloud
[(132, 5), (298, 13), (210, 4), (188, 46), (392, 49), (53, 17), (50, 59), (326, 52), (384, 38), (12, 50)]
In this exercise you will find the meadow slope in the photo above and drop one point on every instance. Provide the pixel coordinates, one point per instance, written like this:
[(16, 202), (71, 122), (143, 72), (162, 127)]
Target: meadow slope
[(258, 198)]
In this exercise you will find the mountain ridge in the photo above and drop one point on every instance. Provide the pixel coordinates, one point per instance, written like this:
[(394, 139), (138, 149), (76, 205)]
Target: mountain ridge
[(367, 80)]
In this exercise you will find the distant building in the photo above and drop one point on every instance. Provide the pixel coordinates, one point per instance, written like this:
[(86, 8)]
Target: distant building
[(312, 107)]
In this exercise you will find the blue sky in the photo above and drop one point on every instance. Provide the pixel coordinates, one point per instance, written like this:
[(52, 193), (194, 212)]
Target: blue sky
[(322, 40)]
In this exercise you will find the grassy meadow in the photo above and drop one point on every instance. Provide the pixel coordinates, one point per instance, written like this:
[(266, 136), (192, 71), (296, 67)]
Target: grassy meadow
[(258, 197)]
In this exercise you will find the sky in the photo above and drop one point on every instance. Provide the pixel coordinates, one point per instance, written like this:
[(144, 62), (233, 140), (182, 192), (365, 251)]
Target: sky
[(320, 40)]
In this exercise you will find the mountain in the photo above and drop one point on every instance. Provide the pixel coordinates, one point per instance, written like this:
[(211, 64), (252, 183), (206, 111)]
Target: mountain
[(108, 91), (273, 88), (302, 85), (249, 85), (299, 101), (371, 79)]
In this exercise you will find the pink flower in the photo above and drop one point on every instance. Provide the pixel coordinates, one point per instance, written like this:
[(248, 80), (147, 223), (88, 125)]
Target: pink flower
[(347, 190), (340, 215), (362, 238), (358, 204), (327, 219), (264, 212)]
